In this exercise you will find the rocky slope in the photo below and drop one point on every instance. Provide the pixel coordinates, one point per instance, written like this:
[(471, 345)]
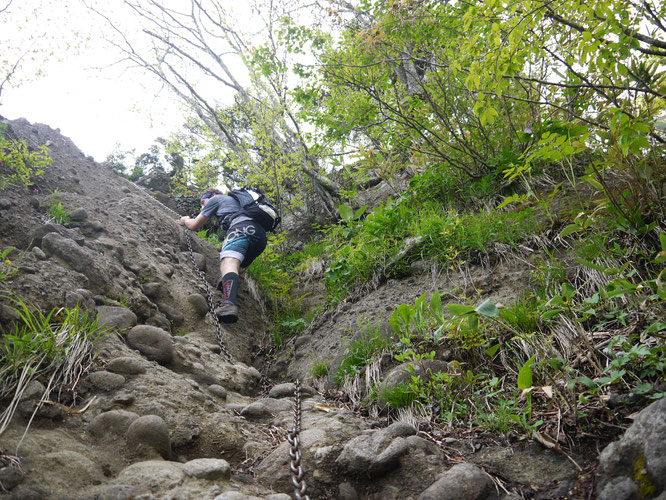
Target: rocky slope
[(165, 415)]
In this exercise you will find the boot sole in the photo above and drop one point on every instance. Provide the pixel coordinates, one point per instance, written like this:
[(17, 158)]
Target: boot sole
[(229, 318)]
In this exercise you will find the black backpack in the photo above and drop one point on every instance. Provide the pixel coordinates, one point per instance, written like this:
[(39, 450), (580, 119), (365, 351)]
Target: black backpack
[(254, 204)]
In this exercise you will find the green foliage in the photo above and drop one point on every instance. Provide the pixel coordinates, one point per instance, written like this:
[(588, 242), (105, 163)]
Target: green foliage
[(361, 350), (319, 369), (56, 211), (56, 346), (212, 239), (399, 396), (7, 268), (286, 324), (272, 276), (18, 164), (359, 250)]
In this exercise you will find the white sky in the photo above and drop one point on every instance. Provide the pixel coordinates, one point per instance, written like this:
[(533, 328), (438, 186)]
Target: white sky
[(93, 103)]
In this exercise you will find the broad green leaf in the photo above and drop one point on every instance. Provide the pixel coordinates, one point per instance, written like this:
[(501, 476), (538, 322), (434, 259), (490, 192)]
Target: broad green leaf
[(360, 212), (458, 309), (570, 229), (488, 309), (436, 307), (473, 322), (345, 212), (511, 199), (525, 375), (552, 313), (438, 334), (491, 351), (568, 291)]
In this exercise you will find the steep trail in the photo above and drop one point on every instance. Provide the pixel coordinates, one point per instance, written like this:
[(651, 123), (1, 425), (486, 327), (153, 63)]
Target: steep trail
[(163, 414)]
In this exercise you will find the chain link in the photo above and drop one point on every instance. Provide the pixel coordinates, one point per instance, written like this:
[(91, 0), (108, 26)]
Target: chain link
[(293, 437), (209, 295)]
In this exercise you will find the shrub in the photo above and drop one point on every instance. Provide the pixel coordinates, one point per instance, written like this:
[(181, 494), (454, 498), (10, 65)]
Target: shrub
[(18, 165)]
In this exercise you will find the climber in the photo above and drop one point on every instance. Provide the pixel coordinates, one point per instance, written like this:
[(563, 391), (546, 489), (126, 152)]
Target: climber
[(244, 241)]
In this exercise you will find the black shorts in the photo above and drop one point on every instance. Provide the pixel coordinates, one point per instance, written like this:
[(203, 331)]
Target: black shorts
[(244, 241)]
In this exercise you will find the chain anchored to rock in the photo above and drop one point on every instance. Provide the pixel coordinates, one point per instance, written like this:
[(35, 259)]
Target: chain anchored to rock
[(209, 300), (293, 437), (209, 295)]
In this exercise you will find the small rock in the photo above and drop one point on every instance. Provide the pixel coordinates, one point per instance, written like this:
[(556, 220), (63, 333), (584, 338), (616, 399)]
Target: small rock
[(167, 270), (8, 314), (218, 391), (5, 203), (149, 433), (10, 477), (117, 492), (79, 215), (114, 422), (159, 320), (106, 381), (199, 304), (153, 290), (374, 453), (232, 495), (96, 226), (152, 342), (265, 407), (171, 313), (461, 482), (35, 390), (127, 365), (347, 492), (287, 391), (208, 468), (39, 253), (302, 340), (73, 299), (400, 429), (119, 318), (123, 398), (198, 258)]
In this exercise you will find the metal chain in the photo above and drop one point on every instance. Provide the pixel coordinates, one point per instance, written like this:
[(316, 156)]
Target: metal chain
[(209, 299), (209, 295), (293, 437)]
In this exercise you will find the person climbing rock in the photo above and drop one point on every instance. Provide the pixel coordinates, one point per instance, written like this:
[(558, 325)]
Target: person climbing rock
[(244, 241)]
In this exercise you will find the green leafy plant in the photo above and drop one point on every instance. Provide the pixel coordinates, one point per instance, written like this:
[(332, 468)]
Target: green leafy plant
[(319, 369), (57, 346), (361, 350), (56, 211), (7, 268), (18, 164), (286, 325)]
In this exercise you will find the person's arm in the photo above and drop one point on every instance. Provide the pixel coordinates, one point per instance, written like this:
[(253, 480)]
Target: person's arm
[(193, 224)]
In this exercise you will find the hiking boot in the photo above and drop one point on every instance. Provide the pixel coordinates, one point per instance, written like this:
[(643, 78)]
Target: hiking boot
[(226, 312)]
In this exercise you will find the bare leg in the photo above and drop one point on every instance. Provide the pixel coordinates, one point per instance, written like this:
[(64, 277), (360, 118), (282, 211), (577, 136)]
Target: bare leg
[(229, 265)]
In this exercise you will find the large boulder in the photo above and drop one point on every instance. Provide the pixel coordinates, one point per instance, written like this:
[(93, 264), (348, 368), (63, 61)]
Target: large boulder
[(635, 466)]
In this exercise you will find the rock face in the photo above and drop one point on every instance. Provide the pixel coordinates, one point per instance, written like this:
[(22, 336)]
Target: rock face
[(635, 466)]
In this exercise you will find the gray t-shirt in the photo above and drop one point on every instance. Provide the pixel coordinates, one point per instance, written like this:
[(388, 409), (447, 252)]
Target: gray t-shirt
[(221, 206)]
